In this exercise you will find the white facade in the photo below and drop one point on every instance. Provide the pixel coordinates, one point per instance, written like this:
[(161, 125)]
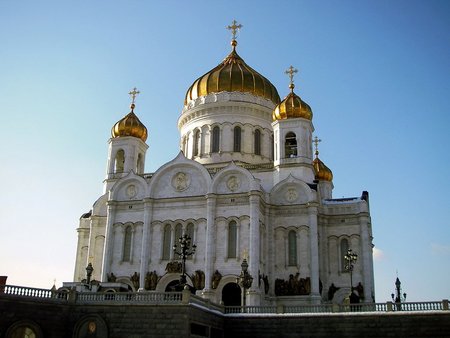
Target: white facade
[(237, 197)]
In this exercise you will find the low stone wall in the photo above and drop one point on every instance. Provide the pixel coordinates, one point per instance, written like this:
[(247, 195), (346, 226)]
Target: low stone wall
[(349, 325), (59, 318)]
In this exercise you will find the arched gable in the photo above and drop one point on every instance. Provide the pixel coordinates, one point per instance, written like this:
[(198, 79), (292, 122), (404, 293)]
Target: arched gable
[(130, 187), (292, 191), (233, 179), (179, 178)]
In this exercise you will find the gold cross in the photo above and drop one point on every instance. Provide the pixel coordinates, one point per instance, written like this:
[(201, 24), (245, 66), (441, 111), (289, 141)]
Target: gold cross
[(133, 94), (291, 71), (234, 28), (316, 144)]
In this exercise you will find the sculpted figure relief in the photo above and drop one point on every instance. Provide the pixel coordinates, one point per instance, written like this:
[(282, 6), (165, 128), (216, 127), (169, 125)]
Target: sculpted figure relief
[(151, 279), (180, 181), (216, 279), (233, 183), (198, 280)]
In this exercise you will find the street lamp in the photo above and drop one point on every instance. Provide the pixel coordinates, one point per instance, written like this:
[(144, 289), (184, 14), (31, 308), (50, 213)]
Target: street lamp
[(350, 260), (397, 298), (245, 280), (186, 250)]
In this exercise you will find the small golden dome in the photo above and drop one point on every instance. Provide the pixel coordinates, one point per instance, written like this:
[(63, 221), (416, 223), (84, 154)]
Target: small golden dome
[(292, 107), (130, 126), (232, 75), (322, 172)]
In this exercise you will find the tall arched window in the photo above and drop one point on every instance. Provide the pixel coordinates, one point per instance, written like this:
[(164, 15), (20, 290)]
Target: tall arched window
[(119, 161), (257, 142), (215, 139), (232, 239), (344, 249), (290, 145), (196, 143), (272, 144), (178, 234), (166, 242), (140, 165), (190, 233), (127, 244), (237, 140), (292, 248)]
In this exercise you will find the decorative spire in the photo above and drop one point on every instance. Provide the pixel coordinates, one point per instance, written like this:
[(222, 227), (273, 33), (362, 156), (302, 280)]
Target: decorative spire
[(234, 29), (290, 72), (316, 145), (133, 95)]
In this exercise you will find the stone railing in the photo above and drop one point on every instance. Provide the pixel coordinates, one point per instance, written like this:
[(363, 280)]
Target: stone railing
[(185, 297)]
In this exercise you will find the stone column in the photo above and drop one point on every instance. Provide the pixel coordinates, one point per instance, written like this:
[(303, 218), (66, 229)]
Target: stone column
[(109, 240), (254, 250), (314, 247), (366, 259), (146, 242), (210, 243)]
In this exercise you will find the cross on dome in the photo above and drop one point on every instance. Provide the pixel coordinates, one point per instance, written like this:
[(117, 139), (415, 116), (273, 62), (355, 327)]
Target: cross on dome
[(316, 141), (234, 28), (133, 94), (290, 72)]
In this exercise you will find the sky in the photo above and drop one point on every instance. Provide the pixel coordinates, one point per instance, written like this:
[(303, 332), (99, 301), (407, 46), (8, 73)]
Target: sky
[(376, 74)]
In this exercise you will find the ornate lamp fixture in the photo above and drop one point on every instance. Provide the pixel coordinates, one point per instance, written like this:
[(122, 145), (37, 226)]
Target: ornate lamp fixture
[(398, 297), (245, 280), (186, 250), (350, 260)]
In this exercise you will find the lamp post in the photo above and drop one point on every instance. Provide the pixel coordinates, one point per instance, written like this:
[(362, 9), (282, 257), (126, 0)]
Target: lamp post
[(398, 298), (350, 260), (186, 250), (245, 280)]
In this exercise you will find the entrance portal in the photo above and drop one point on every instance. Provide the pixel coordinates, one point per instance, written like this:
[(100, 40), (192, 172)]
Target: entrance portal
[(231, 294)]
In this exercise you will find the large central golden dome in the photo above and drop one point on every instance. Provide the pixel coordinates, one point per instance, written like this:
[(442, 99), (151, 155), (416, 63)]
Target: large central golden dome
[(233, 75)]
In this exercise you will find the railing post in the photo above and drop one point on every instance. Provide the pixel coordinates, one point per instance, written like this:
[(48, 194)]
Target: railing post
[(185, 296), (335, 307), (389, 306), (280, 308), (445, 304), (72, 296)]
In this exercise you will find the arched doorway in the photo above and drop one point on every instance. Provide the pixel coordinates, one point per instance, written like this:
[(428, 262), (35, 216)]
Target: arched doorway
[(173, 286), (231, 295)]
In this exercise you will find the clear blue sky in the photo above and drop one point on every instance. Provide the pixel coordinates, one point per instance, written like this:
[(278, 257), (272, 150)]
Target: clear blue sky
[(376, 74)]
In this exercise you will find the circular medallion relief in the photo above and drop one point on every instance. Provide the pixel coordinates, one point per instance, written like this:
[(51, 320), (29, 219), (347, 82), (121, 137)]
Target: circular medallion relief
[(131, 191), (180, 181), (291, 195), (233, 183)]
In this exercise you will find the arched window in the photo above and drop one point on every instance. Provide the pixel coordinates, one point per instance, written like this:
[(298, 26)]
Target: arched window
[(127, 244), (190, 233), (140, 165), (232, 239), (272, 144), (237, 140), (166, 242), (344, 249), (178, 234), (119, 161), (292, 248), (257, 142), (290, 145), (215, 139), (196, 143)]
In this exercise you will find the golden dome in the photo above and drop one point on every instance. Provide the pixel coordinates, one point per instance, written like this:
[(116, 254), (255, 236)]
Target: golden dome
[(130, 126), (292, 107), (322, 172), (232, 75)]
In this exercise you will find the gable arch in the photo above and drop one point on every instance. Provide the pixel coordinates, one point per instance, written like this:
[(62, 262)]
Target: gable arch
[(292, 191), (131, 187), (233, 179), (179, 178)]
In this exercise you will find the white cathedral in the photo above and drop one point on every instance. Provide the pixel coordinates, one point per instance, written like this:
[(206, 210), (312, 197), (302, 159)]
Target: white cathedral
[(245, 186)]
